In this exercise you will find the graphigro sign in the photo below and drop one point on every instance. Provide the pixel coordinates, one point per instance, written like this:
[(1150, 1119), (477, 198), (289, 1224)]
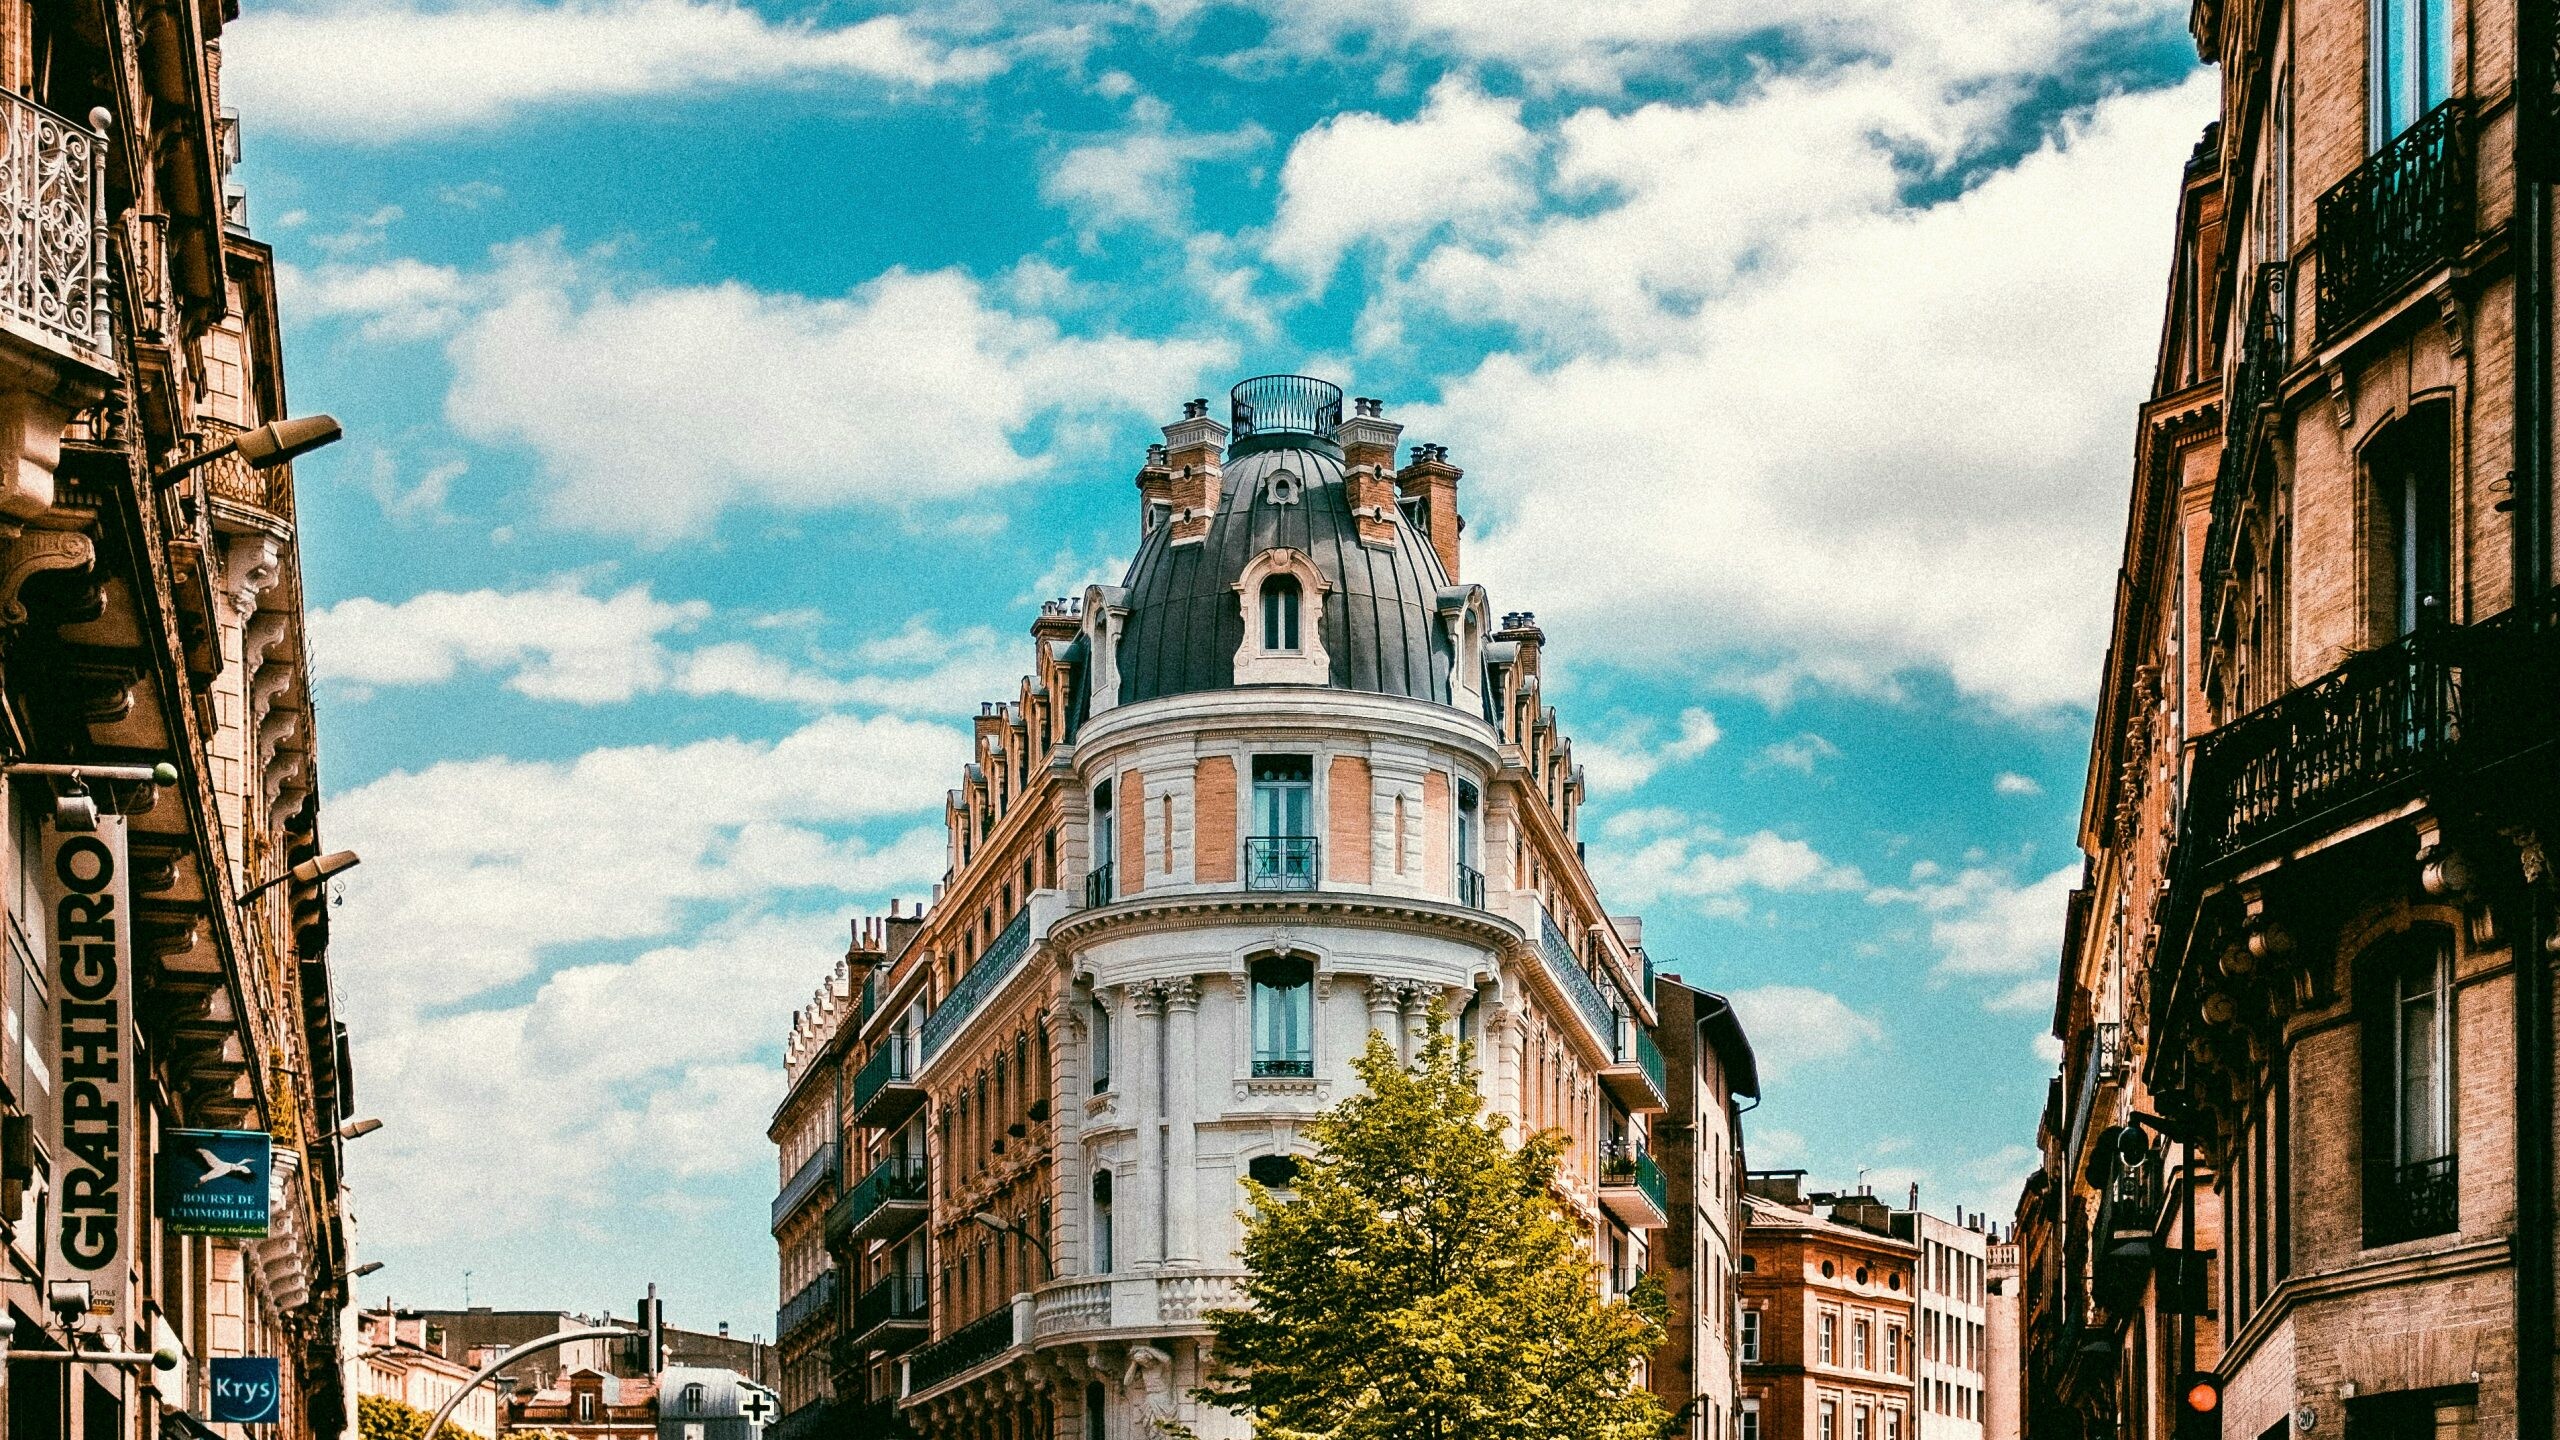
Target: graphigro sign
[(89, 909)]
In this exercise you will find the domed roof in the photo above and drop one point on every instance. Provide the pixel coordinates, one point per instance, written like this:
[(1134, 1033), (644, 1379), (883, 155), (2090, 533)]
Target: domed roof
[(1379, 623)]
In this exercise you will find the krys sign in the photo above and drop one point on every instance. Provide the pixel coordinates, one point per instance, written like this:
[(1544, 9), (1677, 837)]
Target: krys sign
[(88, 902), (247, 1390)]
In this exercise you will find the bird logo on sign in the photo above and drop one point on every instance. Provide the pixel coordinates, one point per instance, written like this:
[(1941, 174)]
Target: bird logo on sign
[(217, 1168)]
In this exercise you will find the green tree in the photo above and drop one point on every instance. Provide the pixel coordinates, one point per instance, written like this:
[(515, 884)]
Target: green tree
[(1418, 1282), (381, 1417)]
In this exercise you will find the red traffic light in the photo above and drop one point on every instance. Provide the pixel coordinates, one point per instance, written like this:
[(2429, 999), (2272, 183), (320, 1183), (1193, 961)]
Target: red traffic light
[(2202, 1393)]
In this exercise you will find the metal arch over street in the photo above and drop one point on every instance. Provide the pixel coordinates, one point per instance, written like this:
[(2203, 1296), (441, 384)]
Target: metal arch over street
[(489, 1371)]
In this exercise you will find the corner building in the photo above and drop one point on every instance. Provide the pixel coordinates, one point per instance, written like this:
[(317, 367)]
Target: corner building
[(1289, 783), (2303, 1130)]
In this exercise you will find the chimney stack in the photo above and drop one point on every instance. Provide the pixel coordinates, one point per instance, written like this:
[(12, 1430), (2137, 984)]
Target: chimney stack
[(1194, 446), (1368, 470), (1432, 480)]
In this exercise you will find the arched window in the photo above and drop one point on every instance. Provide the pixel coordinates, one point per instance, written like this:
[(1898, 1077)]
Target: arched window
[(1284, 1017), (2404, 1006), (693, 1398), (1280, 596)]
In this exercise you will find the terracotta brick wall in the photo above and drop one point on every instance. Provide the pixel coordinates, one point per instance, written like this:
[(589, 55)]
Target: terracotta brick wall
[(1213, 824), (1347, 820), (1437, 875), (1130, 797)]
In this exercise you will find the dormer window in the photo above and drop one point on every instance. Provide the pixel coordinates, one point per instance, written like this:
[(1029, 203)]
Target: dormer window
[(1283, 487), (1280, 595)]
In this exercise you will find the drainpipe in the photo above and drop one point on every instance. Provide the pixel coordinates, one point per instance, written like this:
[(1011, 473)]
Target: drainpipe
[(2532, 525)]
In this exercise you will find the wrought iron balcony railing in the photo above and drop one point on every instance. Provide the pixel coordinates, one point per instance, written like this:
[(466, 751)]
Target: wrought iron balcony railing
[(812, 1301), (2402, 213), (2377, 719), (1285, 405), (53, 233), (2264, 352), (1002, 958), (887, 1066), (2407, 1202), (2108, 1039), (1283, 1067), (961, 1351), (814, 1172), (897, 1179), (1471, 887), (898, 1298), (1098, 887), (1624, 1164), (1569, 976), (1280, 862)]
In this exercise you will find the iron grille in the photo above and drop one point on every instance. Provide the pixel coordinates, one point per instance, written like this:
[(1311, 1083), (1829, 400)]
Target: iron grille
[(2405, 1202), (2401, 214), (1280, 862), (1471, 887), (1098, 885), (1286, 405), (963, 1350)]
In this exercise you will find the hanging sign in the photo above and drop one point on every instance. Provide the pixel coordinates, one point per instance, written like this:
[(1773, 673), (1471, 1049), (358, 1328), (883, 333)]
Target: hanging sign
[(246, 1390), (215, 1182), (88, 909)]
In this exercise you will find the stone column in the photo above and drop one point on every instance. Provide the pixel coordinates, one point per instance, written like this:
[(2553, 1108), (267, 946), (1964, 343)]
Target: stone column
[(1414, 999), (1383, 999), (1070, 1082), (1182, 1105), (1146, 1114), (1499, 1055)]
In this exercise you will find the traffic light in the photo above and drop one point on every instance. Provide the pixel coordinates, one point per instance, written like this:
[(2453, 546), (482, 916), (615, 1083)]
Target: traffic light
[(2200, 1406), (651, 1341)]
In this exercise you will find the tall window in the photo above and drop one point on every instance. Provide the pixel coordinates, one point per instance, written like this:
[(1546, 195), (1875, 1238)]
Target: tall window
[(1858, 1423), (1858, 1344), (1281, 855), (1106, 846), (2406, 1015), (1099, 1027), (1830, 1351), (1751, 1337), (2412, 63), (2411, 465), (1094, 1419), (1284, 1017), (1102, 1222), (1750, 1418), (1892, 1352), (1830, 1423), (1280, 613)]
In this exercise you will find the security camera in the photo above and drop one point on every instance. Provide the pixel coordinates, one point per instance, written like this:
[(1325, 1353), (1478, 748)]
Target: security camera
[(69, 1299)]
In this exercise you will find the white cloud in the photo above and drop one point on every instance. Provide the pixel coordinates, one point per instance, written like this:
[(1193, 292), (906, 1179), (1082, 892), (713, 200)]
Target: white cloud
[(2010, 782), (476, 868), (401, 299), (1630, 758), (1141, 175), (1984, 924), (656, 408), (1708, 392), (1656, 853), (1793, 1026), (2048, 1048), (372, 71), (1463, 161), (1800, 754), (556, 643)]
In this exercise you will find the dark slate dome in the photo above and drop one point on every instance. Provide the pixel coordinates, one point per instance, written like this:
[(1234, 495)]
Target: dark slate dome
[(1379, 627)]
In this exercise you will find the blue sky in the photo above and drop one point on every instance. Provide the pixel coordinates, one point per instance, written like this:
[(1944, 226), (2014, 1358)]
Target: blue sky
[(726, 387)]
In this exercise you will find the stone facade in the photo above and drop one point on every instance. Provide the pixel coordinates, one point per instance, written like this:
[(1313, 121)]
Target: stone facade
[(2302, 1132), (152, 628), (1287, 785), (1828, 1315)]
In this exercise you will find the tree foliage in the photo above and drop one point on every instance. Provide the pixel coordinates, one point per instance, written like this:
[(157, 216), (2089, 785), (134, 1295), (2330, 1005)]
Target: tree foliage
[(1417, 1281), (384, 1417)]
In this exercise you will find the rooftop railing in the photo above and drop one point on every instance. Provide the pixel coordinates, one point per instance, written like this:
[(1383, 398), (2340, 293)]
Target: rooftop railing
[(1285, 405)]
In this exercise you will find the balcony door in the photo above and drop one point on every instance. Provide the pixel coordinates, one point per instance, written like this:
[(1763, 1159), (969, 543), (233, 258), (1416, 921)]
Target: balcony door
[(2412, 49), (1280, 855)]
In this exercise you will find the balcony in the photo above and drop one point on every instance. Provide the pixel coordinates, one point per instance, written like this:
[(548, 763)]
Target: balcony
[(2126, 1243), (1100, 885), (1285, 405), (892, 1314), (1160, 1302), (1636, 1076), (1578, 986), (816, 1172), (887, 1204), (2264, 353), (885, 1091), (1471, 887), (245, 498), (962, 1351), (1283, 1067), (2107, 1048), (1280, 862), (2411, 1201), (2373, 722), (814, 1301), (2402, 214), (1001, 959), (1631, 1188), (53, 288)]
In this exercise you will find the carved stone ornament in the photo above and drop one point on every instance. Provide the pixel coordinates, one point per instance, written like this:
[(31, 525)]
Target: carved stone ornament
[(32, 552)]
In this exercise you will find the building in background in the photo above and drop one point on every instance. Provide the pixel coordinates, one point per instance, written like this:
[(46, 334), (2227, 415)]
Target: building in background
[(1288, 783), (806, 1133), (479, 1334), (1698, 1372), (2302, 1133), (1827, 1315), (404, 1358), (166, 963), (2000, 1368), (585, 1403), (1949, 1333)]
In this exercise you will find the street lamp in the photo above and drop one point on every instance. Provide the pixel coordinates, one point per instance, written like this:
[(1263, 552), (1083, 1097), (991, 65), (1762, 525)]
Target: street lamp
[(358, 1129), (77, 809), (264, 448), (364, 1269), (1007, 1227), (311, 871)]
